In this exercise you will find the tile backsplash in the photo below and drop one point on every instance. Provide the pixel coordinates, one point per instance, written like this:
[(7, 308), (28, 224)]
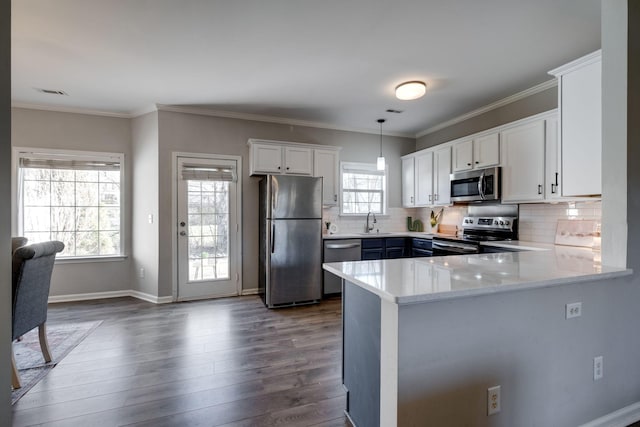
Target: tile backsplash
[(395, 220), (538, 222)]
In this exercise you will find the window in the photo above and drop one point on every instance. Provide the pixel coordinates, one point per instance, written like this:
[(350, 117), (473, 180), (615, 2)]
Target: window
[(72, 197), (363, 189)]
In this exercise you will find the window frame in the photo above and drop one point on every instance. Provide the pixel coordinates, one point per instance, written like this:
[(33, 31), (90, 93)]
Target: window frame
[(17, 212), (364, 166)]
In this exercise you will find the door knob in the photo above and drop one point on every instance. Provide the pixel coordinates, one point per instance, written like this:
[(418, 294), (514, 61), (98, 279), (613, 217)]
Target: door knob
[(183, 233)]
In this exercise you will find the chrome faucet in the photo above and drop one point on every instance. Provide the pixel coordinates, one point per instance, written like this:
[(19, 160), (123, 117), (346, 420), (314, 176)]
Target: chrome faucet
[(370, 227)]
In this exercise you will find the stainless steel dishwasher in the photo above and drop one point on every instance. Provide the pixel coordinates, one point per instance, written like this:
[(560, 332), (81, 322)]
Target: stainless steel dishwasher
[(335, 251)]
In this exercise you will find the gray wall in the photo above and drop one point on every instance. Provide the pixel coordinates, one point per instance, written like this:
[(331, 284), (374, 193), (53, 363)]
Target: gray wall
[(215, 135), (145, 203), (522, 342), (5, 210), (534, 104), (47, 129)]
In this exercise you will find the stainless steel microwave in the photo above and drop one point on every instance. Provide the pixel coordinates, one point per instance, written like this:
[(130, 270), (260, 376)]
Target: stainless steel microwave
[(476, 185)]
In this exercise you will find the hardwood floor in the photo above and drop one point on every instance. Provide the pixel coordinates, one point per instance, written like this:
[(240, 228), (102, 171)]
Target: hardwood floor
[(227, 362)]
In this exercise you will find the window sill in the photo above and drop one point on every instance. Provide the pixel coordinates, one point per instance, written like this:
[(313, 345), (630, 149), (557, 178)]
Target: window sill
[(363, 216), (82, 260)]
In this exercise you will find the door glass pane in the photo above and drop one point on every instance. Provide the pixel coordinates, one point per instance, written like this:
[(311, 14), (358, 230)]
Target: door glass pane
[(208, 230)]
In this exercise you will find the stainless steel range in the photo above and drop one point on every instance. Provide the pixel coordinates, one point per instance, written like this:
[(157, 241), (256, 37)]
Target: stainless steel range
[(476, 229)]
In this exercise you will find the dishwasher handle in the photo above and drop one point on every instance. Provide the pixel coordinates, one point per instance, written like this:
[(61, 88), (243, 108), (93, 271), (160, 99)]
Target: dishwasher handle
[(342, 245)]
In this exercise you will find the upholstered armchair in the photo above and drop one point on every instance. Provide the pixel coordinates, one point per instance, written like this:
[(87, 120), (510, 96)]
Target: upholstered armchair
[(31, 278), (16, 242)]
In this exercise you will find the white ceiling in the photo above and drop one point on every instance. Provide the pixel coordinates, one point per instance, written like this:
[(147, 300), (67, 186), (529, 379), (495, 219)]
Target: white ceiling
[(331, 61)]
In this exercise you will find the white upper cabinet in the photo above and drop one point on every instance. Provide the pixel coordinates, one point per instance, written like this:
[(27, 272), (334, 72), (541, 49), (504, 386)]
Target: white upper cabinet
[(580, 105), (408, 182), (463, 156), (266, 159), (298, 161), (523, 162), (479, 152), (294, 158), (325, 164), (424, 178), (441, 176), (552, 162), (486, 150)]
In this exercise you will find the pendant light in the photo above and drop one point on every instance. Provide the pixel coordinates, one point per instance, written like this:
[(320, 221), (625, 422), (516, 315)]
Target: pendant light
[(380, 162)]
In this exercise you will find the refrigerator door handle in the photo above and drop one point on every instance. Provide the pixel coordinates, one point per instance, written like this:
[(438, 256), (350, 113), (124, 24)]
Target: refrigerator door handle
[(273, 238)]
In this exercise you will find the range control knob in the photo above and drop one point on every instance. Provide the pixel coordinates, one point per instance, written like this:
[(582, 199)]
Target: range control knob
[(501, 222), (506, 223), (495, 222)]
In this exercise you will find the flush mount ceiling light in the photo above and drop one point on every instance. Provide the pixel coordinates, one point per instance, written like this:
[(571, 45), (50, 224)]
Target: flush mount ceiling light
[(411, 90)]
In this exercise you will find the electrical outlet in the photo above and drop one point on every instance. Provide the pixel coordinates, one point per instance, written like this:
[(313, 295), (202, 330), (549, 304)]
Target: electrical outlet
[(573, 310), (493, 400), (598, 368), (141, 273)]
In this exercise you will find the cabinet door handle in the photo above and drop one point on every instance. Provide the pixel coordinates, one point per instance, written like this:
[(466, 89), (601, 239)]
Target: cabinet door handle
[(468, 164), (435, 197), (335, 197), (430, 197), (288, 168), (553, 189), (539, 189), (411, 199), (477, 162)]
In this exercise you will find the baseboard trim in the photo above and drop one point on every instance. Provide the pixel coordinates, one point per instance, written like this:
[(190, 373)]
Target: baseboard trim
[(252, 291), (88, 296), (111, 294), (620, 418), (151, 298)]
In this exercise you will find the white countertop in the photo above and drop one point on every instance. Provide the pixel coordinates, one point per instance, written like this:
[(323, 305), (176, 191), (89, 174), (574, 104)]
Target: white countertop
[(379, 235), (412, 280)]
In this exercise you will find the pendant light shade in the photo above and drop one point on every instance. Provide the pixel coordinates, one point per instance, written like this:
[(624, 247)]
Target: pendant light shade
[(380, 164), (411, 90)]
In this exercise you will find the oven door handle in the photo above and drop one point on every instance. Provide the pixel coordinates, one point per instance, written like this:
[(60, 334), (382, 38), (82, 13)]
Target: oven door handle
[(481, 186), (454, 248)]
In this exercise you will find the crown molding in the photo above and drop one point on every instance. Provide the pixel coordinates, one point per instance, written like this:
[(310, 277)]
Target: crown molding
[(500, 103), (271, 119), (60, 109), (577, 63)]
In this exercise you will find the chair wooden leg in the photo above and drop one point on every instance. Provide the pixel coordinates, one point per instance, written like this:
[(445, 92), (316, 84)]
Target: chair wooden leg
[(44, 344), (15, 376)]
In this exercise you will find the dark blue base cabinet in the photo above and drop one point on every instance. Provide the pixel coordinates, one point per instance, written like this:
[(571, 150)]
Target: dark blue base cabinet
[(361, 354), (395, 247)]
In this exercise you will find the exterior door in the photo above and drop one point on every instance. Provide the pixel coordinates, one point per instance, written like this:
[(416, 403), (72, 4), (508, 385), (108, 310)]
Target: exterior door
[(208, 260)]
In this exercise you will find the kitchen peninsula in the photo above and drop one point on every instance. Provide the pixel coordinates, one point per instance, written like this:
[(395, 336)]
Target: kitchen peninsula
[(424, 338)]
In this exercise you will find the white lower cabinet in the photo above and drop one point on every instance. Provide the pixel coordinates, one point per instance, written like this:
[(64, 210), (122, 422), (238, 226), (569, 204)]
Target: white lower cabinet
[(523, 161)]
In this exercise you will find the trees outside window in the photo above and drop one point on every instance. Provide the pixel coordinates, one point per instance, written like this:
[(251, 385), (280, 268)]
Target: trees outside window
[(71, 197)]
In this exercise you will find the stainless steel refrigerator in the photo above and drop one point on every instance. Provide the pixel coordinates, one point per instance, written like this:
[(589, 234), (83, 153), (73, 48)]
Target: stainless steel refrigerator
[(290, 240)]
